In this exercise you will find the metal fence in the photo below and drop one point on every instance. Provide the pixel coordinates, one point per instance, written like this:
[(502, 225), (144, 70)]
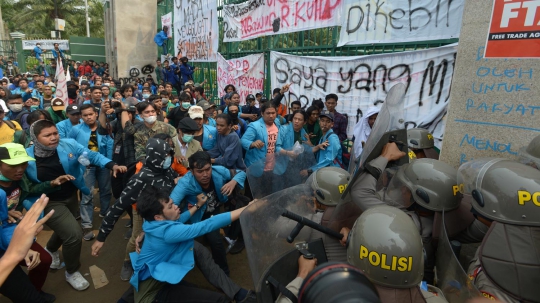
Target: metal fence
[(317, 42)]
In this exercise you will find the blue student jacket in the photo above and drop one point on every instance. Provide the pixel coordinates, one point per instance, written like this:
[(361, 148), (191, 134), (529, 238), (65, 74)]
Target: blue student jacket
[(167, 253), (212, 122), (160, 37), (327, 157), (64, 128), (209, 137), (81, 134), (37, 51), (69, 151), (188, 188), (255, 131), (285, 140)]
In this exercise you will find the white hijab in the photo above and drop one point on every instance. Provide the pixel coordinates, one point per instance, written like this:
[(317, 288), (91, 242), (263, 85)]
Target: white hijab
[(362, 130)]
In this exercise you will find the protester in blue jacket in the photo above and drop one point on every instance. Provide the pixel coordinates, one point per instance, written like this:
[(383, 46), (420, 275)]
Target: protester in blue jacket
[(329, 149), (261, 136), (217, 183), (186, 70), (206, 134), (56, 157), (38, 51), (170, 252), (161, 39), (86, 134)]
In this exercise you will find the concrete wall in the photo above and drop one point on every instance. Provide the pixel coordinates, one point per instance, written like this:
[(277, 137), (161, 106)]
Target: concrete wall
[(494, 107), (131, 27)]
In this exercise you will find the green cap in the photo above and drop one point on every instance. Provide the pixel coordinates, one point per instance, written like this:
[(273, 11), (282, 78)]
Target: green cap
[(14, 154)]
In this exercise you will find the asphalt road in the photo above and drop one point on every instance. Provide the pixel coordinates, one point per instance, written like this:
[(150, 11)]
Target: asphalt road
[(110, 261)]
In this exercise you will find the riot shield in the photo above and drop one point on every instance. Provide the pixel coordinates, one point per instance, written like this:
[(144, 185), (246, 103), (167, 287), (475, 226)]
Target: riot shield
[(451, 277), (285, 173), (388, 127), (265, 230)]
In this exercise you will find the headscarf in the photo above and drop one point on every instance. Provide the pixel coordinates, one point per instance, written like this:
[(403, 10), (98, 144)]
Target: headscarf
[(40, 150), (362, 130)]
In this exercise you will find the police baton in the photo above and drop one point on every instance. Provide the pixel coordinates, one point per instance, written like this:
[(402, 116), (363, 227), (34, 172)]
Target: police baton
[(304, 221)]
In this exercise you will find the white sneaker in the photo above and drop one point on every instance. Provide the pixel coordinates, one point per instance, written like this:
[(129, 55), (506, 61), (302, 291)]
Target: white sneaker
[(77, 281), (56, 264)]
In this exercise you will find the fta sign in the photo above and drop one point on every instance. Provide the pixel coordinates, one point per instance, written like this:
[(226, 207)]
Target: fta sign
[(514, 31)]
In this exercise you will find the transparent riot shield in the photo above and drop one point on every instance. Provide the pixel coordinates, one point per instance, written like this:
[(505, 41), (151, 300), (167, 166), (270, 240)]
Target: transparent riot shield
[(265, 231), (451, 277), (390, 118), (286, 171)]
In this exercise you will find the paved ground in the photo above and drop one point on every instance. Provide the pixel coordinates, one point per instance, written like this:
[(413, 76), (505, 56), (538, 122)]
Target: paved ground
[(110, 261)]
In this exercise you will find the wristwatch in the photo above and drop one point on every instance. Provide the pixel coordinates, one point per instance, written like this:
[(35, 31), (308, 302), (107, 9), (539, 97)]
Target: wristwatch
[(197, 205)]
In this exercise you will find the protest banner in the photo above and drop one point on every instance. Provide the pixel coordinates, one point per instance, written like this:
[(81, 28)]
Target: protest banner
[(196, 31), (166, 20), (256, 18), (45, 44), (514, 30), (245, 73), (61, 86), (376, 21), (363, 81)]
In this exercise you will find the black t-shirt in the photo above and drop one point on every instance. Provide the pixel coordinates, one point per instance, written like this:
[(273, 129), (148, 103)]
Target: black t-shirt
[(298, 137), (212, 200), (50, 168), (199, 137), (13, 195), (311, 128), (176, 115)]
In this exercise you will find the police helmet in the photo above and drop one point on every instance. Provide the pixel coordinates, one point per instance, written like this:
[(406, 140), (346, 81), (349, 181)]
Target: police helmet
[(385, 244), (329, 183), (530, 155), (502, 190), (431, 184), (419, 138)]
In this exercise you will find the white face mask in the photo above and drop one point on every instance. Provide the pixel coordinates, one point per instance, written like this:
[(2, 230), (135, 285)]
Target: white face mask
[(15, 107), (150, 119)]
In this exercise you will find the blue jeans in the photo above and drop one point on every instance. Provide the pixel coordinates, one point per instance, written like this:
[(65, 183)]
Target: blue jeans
[(103, 178), (164, 47)]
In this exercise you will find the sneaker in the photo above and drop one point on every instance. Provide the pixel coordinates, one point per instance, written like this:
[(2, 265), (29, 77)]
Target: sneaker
[(127, 271), (56, 264), (237, 247), (88, 234), (48, 298), (129, 224), (101, 216), (77, 281), (231, 244), (128, 233)]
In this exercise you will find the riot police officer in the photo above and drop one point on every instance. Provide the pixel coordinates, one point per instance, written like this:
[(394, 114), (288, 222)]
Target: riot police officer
[(530, 155), (506, 197), (423, 189), (385, 245), (421, 142), (328, 183)]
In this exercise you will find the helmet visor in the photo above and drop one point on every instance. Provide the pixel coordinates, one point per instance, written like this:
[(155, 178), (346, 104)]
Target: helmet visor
[(398, 194)]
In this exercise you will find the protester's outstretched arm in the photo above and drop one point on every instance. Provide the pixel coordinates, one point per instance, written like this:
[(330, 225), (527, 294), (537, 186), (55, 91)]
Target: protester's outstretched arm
[(23, 237)]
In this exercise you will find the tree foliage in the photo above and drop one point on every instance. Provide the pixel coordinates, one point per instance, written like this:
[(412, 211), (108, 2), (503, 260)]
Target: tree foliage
[(35, 18)]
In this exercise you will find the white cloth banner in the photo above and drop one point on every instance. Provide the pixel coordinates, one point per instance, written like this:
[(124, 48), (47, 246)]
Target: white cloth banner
[(377, 21), (45, 44), (166, 20), (245, 73), (196, 33), (361, 81), (61, 85), (256, 18)]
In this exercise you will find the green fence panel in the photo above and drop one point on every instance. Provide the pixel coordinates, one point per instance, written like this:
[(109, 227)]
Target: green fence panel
[(87, 48)]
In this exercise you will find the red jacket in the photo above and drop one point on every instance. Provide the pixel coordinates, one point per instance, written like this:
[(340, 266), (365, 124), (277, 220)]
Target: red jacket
[(84, 69)]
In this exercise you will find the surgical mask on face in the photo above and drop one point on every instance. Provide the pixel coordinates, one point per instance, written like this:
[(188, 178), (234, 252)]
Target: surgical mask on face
[(34, 107), (53, 89), (167, 163), (164, 101), (29, 79), (146, 96), (150, 119), (15, 107), (3, 178), (186, 105), (187, 138)]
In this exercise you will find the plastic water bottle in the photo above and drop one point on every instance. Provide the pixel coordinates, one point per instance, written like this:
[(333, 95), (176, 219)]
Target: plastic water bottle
[(83, 159)]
